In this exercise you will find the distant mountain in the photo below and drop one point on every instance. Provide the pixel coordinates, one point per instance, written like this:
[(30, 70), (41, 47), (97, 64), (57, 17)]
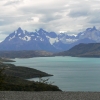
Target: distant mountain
[(83, 50), (48, 41)]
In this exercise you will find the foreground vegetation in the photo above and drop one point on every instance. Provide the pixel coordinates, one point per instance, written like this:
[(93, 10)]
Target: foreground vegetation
[(19, 84), (13, 78)]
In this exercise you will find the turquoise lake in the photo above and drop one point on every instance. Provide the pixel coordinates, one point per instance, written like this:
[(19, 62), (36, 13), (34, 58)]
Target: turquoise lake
[(70, 73)]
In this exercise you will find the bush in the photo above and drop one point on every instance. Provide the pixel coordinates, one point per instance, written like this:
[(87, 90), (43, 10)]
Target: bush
[(2, 78)]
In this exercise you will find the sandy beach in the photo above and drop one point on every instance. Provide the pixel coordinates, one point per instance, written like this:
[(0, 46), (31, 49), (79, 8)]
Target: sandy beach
[(17, 95)]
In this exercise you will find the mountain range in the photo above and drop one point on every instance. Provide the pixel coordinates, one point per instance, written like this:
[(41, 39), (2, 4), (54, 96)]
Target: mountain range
[(49, 41)]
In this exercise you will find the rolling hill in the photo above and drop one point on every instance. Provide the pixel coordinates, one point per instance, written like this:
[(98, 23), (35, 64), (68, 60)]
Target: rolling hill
[(83, 50)]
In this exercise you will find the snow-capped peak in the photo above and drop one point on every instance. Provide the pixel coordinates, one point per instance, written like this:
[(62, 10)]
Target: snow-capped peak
[(43, 40), (51, 37), (91, 29), (19, 34)]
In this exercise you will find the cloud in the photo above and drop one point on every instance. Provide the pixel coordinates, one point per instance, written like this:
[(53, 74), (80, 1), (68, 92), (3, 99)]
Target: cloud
[(12, 2), (79, 9), (72, 16), (79, 13), (94, 17)]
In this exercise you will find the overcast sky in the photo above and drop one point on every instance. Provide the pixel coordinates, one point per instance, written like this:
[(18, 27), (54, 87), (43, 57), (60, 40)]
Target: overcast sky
[(71, 16)]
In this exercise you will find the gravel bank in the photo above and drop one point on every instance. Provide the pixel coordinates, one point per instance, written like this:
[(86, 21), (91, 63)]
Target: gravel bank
[(16, 95)]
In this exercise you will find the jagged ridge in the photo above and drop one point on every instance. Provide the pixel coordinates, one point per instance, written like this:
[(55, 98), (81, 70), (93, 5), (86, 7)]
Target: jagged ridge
[(49, 41)]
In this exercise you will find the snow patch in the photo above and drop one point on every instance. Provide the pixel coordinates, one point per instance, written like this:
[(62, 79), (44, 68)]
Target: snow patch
[(11, 38), (62, 31), (72, 35), (71, 40), (19, 34), (26, 38), (15, 32), (24, 31), (32, 35), (35, 39), (52, 40), (41, 39)]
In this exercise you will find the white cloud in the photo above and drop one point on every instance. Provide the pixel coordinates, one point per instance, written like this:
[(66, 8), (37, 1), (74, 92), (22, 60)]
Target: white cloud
[(52, 15)]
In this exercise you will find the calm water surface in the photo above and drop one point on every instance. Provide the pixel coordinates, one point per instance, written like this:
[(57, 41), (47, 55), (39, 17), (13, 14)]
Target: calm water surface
[(70, 73)]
